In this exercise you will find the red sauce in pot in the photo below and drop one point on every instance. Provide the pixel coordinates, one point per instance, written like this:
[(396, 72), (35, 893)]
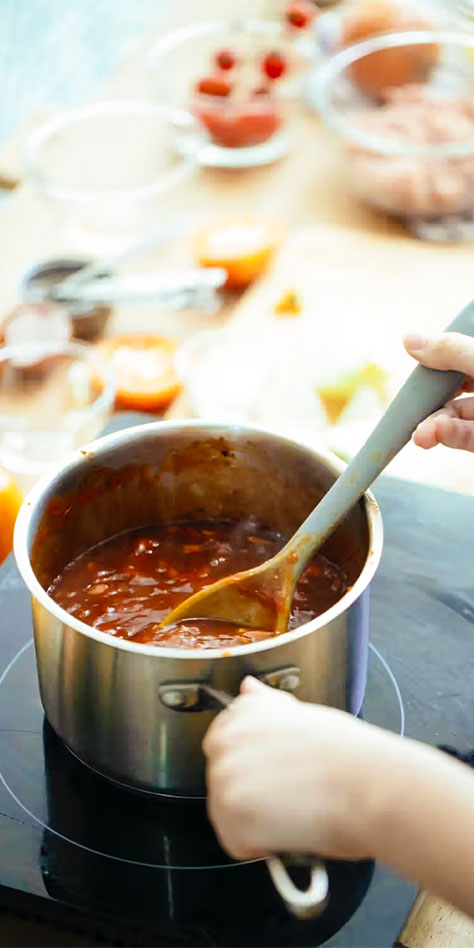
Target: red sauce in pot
[(128, 584)]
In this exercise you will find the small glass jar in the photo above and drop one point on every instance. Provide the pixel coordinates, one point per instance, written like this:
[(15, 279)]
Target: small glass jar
[(88, 320), (54, 397)]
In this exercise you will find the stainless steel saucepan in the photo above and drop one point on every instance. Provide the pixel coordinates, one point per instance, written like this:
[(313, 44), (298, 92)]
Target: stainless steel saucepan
[(114, 703)]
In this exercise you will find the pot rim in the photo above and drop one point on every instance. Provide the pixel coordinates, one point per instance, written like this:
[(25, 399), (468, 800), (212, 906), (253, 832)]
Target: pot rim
[(131, 434)]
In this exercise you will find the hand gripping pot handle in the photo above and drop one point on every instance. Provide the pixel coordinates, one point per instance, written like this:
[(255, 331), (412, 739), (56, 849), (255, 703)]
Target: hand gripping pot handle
[(304, 903)]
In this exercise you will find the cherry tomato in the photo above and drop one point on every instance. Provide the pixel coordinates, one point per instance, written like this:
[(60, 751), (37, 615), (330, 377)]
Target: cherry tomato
[(225, 59), (274, 65), (300, 13), (214, 85)]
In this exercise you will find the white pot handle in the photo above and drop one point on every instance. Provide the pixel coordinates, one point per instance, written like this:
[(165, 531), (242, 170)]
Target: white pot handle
[(304, 903)]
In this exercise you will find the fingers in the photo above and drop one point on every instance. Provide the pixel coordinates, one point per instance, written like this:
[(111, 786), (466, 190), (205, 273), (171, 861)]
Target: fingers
[(452, 426), (449, 350), (461, 408), (455, 433), (253, 692), (252, 686)]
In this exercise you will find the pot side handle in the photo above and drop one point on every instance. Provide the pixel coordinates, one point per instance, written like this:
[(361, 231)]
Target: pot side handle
[(303, 903)]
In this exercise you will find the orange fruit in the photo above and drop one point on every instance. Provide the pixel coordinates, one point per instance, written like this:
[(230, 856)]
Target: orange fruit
[(143, 369), (10, 503), (241, 246), (388, 68)]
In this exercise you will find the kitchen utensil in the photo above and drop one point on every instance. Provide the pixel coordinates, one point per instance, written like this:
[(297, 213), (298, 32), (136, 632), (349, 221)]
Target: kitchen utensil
[(261, 597), (178, 287), (162, 472), (114, 702)]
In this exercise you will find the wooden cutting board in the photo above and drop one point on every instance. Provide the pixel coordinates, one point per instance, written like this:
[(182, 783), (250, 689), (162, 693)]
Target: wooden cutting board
[(433, 923), (394, 281), (354, 285)]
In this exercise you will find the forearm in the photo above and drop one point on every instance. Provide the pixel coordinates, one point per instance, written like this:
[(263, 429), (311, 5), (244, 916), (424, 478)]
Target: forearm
[(420, 817)]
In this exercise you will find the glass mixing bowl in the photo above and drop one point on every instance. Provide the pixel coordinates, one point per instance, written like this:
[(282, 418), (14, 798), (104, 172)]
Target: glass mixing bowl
[(402, 105), (107, 169)]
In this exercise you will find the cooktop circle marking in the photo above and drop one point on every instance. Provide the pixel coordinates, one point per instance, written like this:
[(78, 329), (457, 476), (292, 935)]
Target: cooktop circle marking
[(89, 849), (148, 865)]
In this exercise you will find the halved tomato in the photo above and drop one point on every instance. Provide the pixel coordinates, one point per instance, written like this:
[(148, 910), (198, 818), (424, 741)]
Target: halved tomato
[(239, 125), (241, 246), (143, 368)]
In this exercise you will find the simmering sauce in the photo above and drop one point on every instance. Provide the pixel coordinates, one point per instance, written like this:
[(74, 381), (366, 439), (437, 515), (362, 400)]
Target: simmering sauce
[(128, 584)]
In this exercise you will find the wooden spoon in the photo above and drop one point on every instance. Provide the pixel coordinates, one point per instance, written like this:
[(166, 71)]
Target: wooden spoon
[(260, 598)]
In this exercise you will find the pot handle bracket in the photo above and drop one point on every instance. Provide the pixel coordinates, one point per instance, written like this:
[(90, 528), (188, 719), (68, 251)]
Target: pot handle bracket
[(199, 696)]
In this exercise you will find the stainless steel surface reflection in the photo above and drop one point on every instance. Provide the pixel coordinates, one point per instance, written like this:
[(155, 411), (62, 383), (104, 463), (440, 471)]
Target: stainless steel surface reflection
[(101, 694)]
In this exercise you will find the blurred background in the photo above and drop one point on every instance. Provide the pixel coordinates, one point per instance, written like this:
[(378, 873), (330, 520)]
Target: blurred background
[(55, 54), (230, 211)]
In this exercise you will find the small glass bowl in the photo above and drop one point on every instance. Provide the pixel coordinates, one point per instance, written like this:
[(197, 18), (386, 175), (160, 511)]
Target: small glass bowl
[(53, 399), (107, 169), (241, 130), (408, 157)]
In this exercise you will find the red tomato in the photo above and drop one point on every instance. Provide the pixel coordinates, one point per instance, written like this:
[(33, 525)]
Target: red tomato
[(300, 13), (274, 65), (240, 126), (225, 59)]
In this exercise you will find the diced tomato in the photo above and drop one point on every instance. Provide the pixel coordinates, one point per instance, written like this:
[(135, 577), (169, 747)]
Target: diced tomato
[(274, 65), (214, 85), (300, 13), (225, 59)]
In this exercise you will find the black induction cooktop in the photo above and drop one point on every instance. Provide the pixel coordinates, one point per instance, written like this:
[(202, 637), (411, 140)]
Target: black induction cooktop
[(127, 869)]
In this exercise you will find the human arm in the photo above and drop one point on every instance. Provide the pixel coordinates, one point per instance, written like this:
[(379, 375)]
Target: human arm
[(287, 776)]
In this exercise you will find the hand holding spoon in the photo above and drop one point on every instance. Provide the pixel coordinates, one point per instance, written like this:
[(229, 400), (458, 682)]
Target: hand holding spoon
[(260, 598)]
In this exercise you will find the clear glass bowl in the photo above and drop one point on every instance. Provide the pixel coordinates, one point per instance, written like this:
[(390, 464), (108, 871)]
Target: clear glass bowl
[(402, 105), (107, 169), (53, 399), (248, 127)]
